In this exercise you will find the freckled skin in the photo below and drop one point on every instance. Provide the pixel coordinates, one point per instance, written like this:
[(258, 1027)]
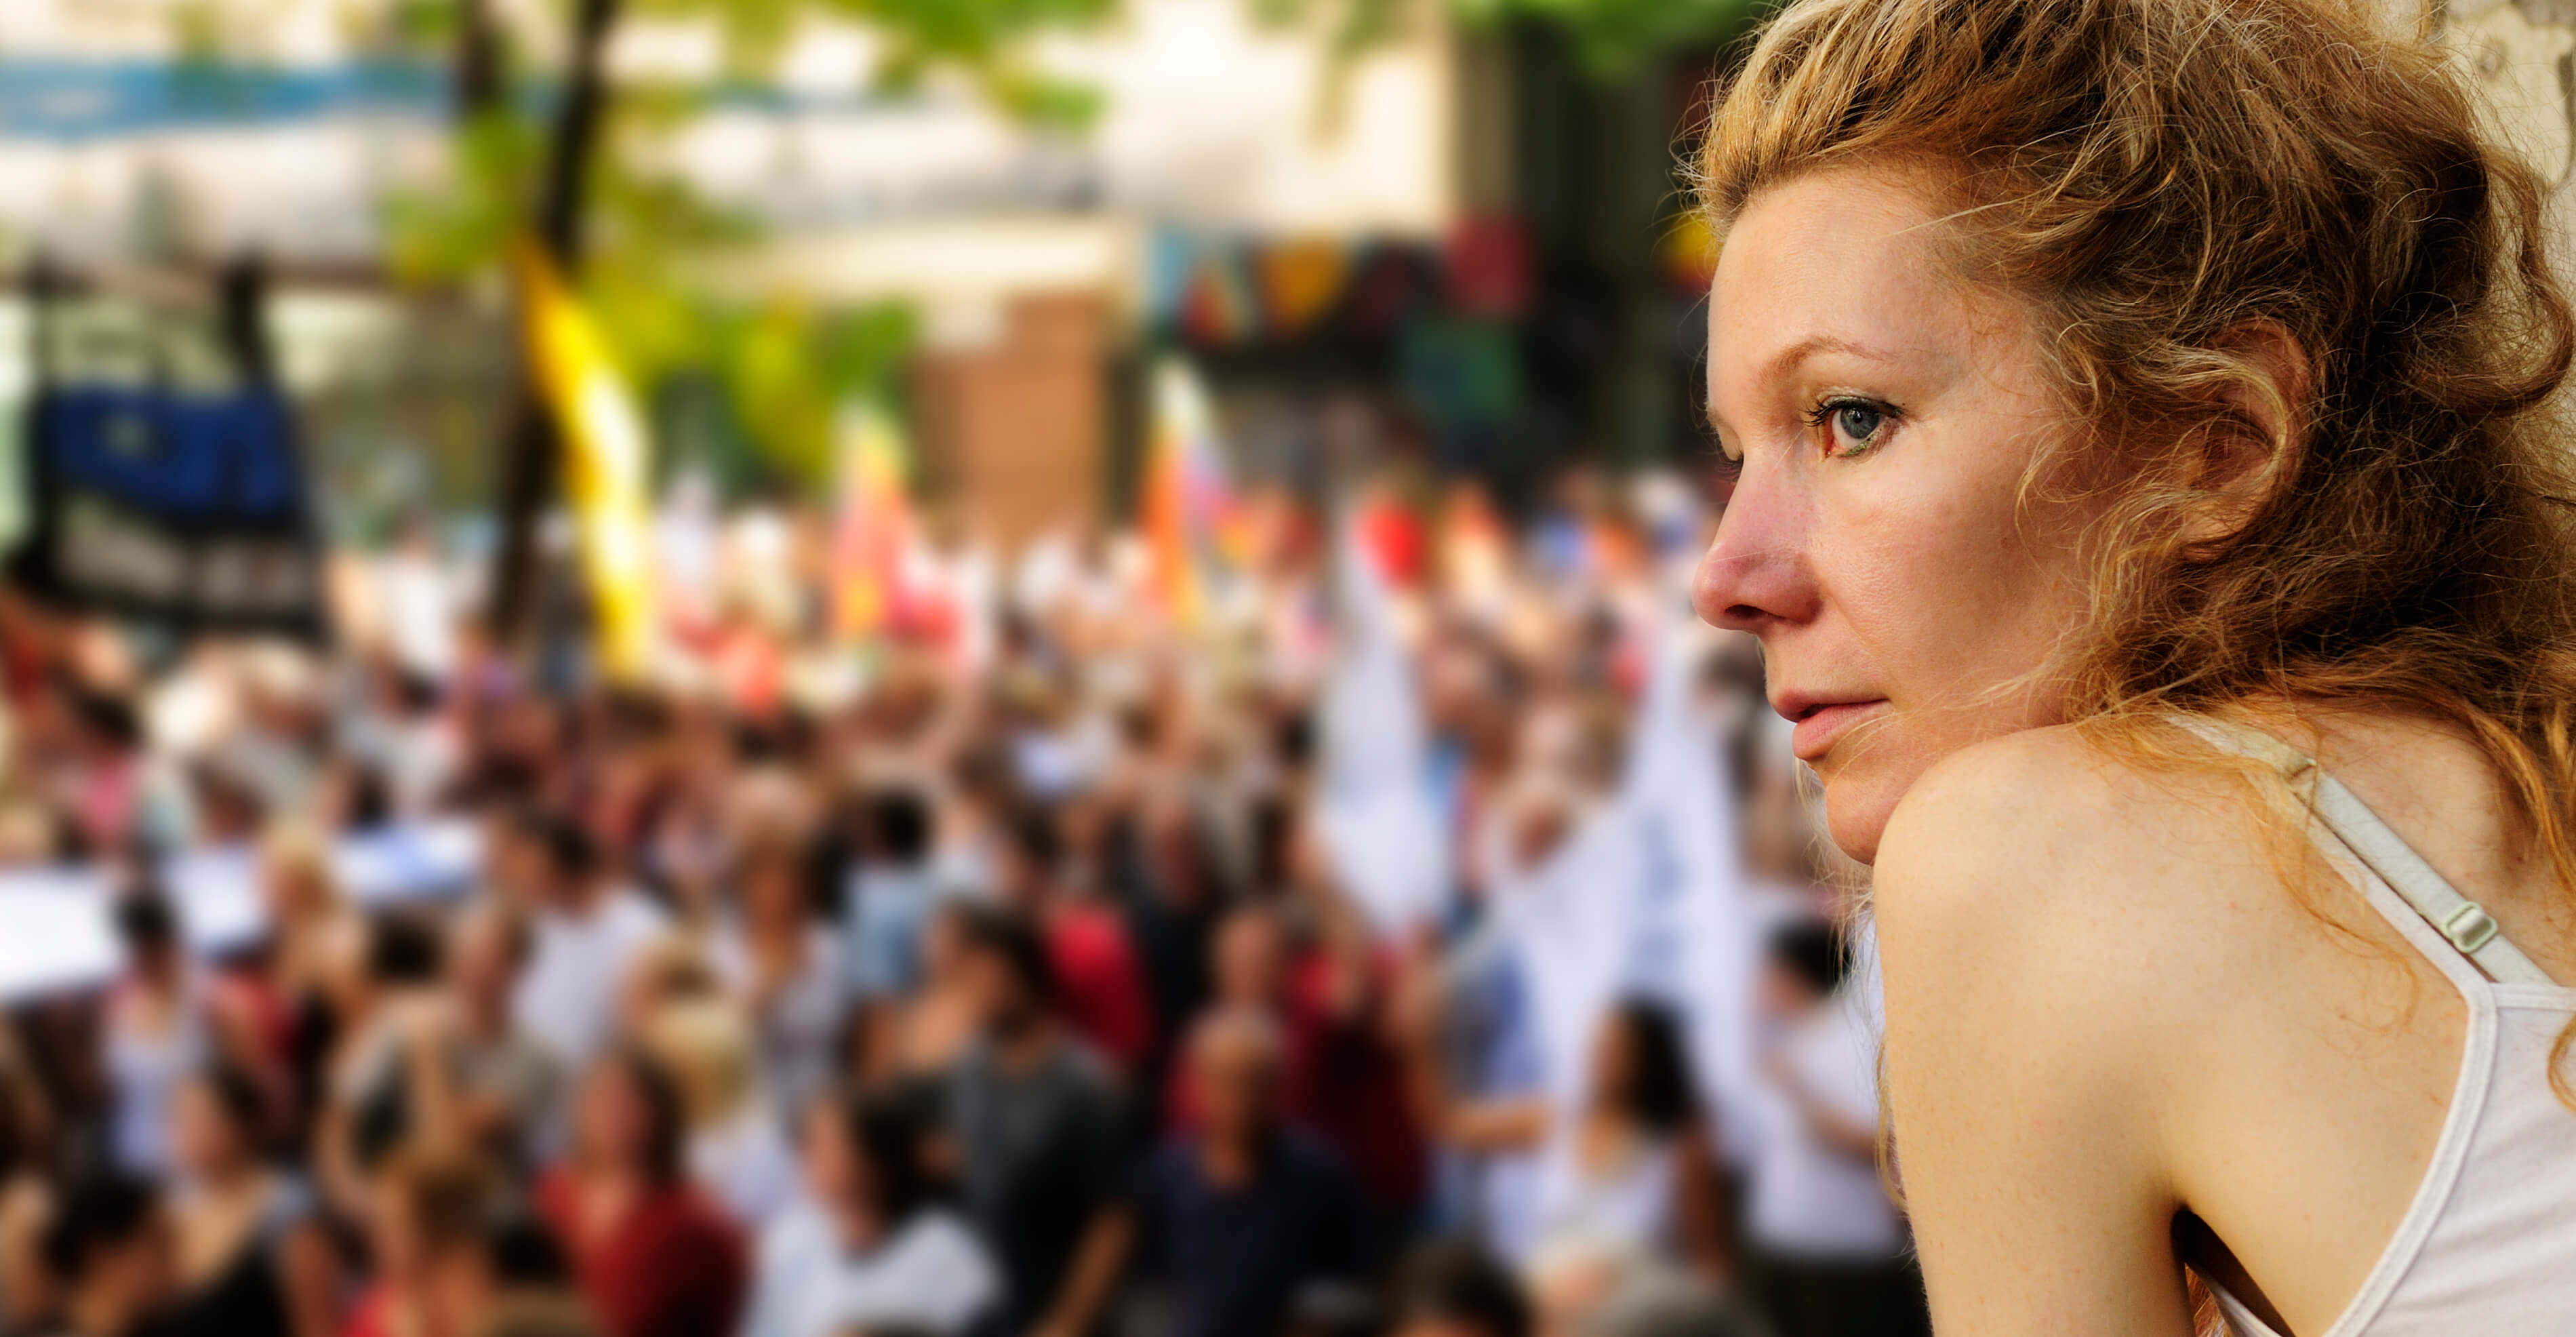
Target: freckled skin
[(1906, 570)]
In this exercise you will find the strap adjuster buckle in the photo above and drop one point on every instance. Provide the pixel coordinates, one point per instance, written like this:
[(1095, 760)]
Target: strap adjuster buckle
[(2470, 927)]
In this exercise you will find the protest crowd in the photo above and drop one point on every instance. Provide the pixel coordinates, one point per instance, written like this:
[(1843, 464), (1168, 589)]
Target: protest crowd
[(1409, 925)]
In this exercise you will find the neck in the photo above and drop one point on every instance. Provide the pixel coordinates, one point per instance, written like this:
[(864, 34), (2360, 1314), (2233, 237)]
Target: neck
[(487, 1018), (234, 1177), (99, 1313), (1233, 1156), (1020, 1038), (860, 1227), (610, 1178)]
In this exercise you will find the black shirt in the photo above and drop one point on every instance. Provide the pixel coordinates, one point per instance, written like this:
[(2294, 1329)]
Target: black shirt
[(1040, 1152), (1231, 1258)]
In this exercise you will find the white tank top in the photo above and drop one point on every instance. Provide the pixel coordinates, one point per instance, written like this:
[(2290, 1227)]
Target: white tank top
[(2488, 1246)]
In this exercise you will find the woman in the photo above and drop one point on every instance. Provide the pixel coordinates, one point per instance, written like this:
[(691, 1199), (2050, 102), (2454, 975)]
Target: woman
[(737, 1142), (429, 1212), (867, 1250), (1627, 1173), (2146, 495), (785, 967), (917, 1039), (253, 1256), (310, 926), (654, 1257), (163, 1019), (390, 1079)]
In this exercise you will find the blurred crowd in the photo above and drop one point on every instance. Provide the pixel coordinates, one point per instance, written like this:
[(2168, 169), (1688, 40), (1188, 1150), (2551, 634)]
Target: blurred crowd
[(995, 975)]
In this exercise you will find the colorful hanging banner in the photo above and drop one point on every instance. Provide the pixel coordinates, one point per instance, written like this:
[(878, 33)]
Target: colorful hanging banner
[(1190, 509), (873, 526)]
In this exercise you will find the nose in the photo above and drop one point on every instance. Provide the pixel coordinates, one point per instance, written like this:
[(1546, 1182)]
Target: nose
[(1756, 576)]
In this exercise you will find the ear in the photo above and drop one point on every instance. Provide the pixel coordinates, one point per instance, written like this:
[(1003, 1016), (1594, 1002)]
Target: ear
[(2253, 442)]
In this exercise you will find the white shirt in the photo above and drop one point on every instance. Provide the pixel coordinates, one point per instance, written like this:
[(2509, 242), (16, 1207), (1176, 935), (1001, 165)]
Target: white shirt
[(1625, 1210), (744, 1162), (1809, 1199), (800, 1027), (567, 999), (932, 1274), (419, 612)]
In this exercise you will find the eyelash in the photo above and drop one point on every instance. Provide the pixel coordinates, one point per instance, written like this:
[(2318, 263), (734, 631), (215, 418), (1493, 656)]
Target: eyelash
[(1821, 418), (1728, 467)]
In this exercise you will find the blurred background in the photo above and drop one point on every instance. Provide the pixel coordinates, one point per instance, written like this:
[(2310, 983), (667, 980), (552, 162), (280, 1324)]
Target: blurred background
[(844, 668)]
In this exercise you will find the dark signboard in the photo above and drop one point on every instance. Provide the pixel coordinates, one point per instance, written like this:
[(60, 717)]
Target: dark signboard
[(182, 502)]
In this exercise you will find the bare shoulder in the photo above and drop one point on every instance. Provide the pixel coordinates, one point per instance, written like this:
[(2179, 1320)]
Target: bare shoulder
[(2051, 880)]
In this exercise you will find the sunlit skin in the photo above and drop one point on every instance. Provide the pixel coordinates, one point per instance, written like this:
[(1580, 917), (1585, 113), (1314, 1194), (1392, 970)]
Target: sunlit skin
[(2088, 966), (1879, 416)]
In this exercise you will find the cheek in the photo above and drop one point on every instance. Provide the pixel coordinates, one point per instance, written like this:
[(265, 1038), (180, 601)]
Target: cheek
[(1944, 591)]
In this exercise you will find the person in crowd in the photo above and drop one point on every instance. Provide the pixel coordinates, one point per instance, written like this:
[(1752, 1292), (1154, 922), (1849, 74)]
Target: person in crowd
[(890, 893), (165, 1020), (508, 1086), (920, 1041), (784, 968), (654, 1257), (1176, 894), (1828, 1249), (1034, 1137), (109, 1259), (1233, 1220), (27, 1196), (1629, 1170), (513, 1269), (867, 1248), (1455, 1290), (423, 1228), (1307, 964), (253, 1254), (309, 924), (392, 1076), (588, 932), (737, 1151), (1098, 988), (116, 796)]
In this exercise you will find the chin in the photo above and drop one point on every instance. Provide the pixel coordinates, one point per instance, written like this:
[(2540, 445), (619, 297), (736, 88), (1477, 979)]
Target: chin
[(1855, 817), (1862, 793)]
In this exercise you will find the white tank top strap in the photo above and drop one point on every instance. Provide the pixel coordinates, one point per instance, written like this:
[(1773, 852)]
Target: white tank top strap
[(2461, 922)]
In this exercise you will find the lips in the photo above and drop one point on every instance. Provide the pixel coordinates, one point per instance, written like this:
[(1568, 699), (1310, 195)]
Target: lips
[(1822, 721)]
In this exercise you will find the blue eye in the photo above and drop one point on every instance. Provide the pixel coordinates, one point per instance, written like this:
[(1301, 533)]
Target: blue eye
[(1851, 426), (1860, 422)]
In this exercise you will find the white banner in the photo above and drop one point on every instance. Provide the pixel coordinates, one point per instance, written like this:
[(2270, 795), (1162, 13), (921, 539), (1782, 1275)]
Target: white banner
[(57, 932)]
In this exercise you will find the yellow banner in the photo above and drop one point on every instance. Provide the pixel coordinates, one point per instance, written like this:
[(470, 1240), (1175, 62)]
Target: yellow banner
[(606, 458)]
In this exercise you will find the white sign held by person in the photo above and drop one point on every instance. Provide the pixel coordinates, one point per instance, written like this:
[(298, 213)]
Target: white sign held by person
[(57, 932)]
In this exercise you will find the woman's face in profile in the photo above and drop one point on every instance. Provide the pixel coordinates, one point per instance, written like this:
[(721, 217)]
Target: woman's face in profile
[(1885, 416)]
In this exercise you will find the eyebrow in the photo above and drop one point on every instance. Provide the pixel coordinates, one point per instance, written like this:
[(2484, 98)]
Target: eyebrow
[(1789, 357)]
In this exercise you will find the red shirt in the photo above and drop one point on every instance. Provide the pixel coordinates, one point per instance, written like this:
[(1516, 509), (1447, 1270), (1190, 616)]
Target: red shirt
[(1098, 986), (675, 1267), (373, 1314)]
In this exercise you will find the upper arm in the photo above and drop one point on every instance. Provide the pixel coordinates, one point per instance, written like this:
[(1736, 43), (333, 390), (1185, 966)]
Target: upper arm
[(310, 1268), (2021, 1056)]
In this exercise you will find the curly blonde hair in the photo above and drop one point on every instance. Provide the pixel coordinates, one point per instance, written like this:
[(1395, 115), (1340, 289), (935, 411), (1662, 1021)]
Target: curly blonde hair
[(2174, 185)]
